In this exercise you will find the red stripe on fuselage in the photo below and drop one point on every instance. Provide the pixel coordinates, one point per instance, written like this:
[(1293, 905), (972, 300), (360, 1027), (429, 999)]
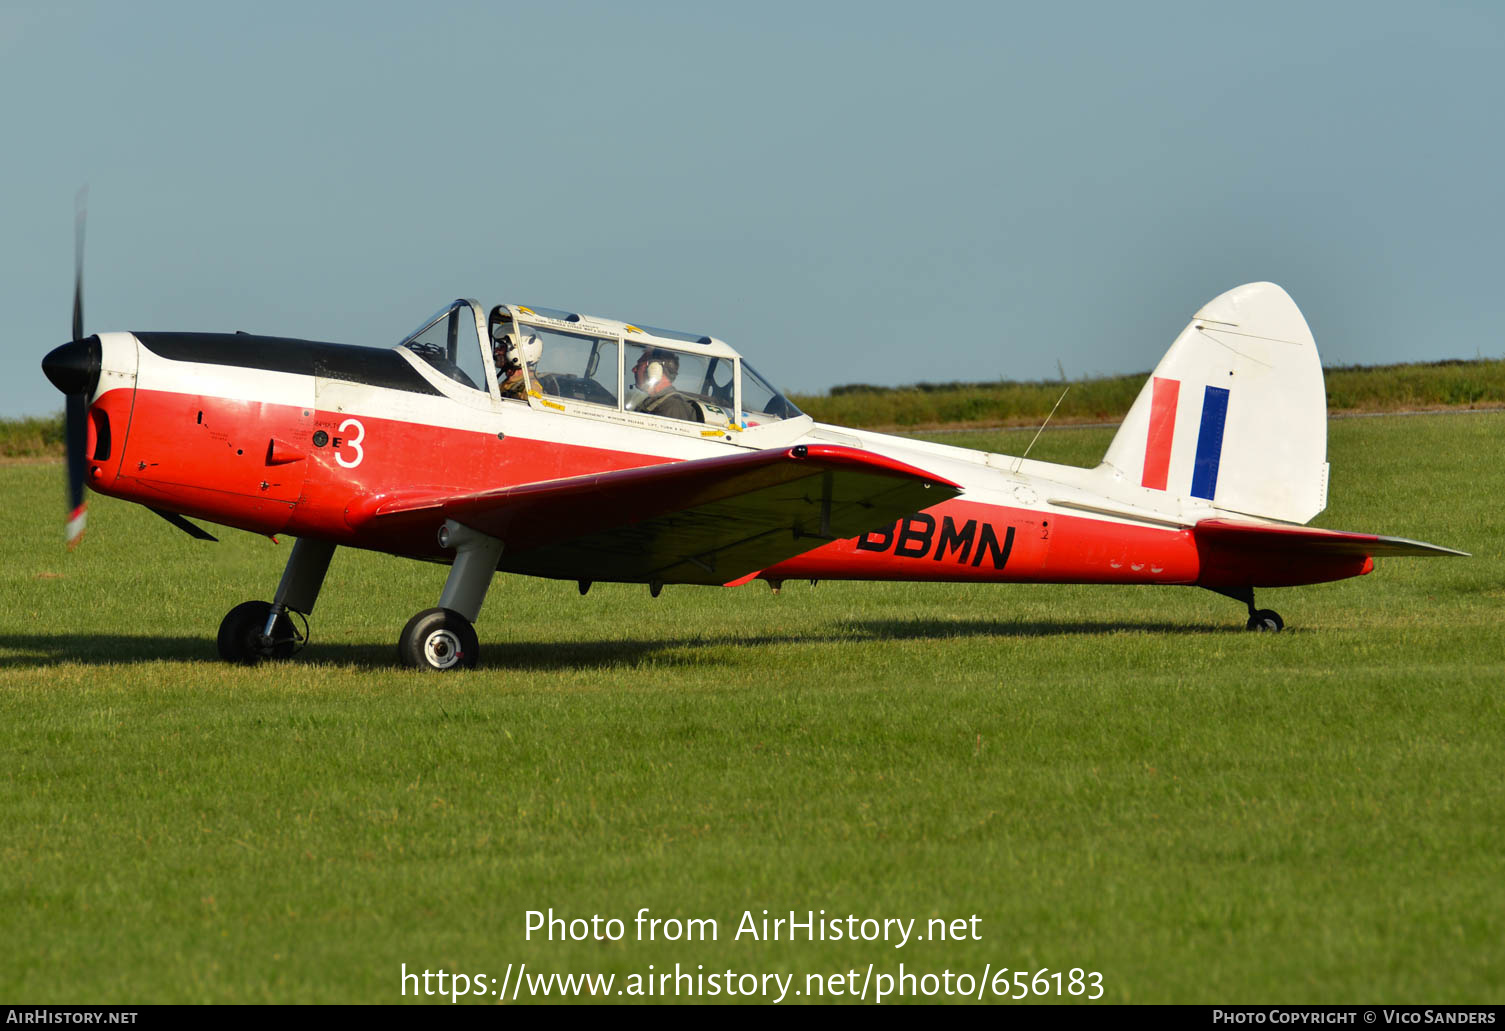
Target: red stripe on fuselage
[(208, 457), (967, 541), (1157, 445)]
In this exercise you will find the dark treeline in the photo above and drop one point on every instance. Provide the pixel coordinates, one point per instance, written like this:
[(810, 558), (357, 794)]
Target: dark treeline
[(1447, 384)]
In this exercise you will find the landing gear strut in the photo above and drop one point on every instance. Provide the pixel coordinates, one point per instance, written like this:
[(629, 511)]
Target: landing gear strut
[(1262, 620), (257, 630), (442, 638), (435, 639)]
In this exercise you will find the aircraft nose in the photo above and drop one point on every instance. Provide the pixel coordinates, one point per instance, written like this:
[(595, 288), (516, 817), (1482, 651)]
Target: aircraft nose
[(74, 367)]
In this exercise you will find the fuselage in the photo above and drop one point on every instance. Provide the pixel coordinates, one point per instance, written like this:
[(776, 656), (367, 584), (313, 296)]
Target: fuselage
[(293, 437)]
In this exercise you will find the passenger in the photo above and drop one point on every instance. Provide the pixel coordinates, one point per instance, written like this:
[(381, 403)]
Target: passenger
[(510, 357), (654, 375)]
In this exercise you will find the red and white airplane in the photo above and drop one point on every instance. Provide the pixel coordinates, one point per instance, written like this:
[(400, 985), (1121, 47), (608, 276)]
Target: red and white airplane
[(614, 451)]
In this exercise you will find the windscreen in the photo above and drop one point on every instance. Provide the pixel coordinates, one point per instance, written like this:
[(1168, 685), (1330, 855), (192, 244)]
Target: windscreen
[(760, 402), (450, 344)]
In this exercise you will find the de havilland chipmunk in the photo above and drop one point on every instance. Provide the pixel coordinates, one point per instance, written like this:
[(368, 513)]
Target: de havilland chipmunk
[(557, 444)]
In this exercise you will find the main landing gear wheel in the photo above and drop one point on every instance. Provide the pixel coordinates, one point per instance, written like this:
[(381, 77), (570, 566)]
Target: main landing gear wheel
[(438, 640), (240, 637), (1266, 621)]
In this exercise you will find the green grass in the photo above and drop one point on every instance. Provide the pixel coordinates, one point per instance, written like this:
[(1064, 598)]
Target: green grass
[(1116, 779)]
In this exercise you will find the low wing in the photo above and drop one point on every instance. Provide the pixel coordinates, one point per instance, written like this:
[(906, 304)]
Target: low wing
[(1309, 540), (705, 521)]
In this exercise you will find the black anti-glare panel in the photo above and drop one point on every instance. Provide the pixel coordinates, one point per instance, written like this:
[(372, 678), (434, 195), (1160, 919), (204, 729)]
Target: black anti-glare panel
[(376, 366)]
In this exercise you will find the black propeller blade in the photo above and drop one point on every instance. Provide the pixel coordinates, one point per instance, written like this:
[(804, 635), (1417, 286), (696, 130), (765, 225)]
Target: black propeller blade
[(74, 369), (77, 429), (80, 214)]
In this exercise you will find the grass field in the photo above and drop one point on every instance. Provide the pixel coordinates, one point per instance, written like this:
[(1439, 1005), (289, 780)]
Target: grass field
[(1114, 779)]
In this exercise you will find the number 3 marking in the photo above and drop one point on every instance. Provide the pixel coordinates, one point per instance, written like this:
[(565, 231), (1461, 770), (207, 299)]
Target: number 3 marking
[(360, 435)]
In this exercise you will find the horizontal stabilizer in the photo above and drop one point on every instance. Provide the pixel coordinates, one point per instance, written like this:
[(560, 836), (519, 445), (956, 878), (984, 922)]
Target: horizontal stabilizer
[(1311, 540)]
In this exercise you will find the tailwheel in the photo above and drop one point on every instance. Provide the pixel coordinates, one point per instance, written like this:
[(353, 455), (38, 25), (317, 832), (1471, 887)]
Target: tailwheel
[(242, 634), (438, 640), (1266, 621)]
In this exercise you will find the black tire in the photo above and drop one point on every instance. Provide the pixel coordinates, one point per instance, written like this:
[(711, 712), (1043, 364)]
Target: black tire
[(240, 634), (1266, 621), (438, 640)]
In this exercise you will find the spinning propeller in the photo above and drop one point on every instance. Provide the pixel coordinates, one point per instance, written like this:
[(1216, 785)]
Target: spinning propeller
[(74, 369)]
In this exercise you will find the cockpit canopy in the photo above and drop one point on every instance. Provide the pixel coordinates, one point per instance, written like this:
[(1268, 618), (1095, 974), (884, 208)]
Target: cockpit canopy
[(450, 342), (563, 360)]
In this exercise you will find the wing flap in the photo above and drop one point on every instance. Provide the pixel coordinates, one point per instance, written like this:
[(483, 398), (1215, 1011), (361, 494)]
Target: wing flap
[(704, 521)]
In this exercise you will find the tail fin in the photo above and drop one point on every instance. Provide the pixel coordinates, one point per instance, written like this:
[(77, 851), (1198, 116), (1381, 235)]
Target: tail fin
[(1235, 414)]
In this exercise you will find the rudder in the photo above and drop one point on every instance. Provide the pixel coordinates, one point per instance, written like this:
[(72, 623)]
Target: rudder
[(1235, 414)]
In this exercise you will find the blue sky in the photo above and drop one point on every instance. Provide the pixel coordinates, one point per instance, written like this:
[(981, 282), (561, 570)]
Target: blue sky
[(847, 193)]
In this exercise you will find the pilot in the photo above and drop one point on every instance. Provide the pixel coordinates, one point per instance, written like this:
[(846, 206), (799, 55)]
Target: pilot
[(511, 356), (654, 375)]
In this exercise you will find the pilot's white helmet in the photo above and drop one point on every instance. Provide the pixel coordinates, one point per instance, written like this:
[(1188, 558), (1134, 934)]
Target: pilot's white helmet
[(516, 353)]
